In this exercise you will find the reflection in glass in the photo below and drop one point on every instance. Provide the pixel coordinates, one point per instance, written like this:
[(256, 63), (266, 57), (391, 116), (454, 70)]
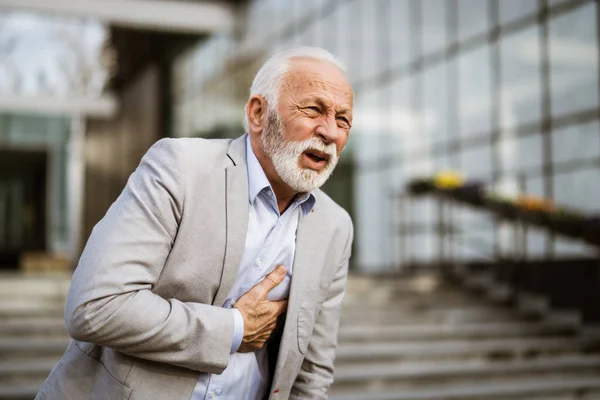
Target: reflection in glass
[(511, 10), (436, 118), (400, 30), (520, 78), (475, 92), (516, 154), (473, 18), (349, 21), (574, 61), (371, 43), (434, 25), (579, 189), (578, 142), (476, 162)]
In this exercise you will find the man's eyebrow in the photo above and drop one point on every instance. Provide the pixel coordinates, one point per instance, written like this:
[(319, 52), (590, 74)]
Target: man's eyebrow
[(321, 102)]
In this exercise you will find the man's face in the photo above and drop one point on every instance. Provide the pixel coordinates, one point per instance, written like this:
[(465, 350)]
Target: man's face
[(306, 134)]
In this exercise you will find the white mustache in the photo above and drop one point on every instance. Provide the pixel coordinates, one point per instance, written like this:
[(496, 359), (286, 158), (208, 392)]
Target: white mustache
[(315, 144)]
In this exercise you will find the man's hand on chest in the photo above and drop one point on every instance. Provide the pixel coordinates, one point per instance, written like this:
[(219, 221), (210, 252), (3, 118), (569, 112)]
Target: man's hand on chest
[(260, 314)]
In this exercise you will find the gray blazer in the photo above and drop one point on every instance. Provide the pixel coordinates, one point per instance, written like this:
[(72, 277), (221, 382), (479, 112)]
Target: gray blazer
[(141, 308)]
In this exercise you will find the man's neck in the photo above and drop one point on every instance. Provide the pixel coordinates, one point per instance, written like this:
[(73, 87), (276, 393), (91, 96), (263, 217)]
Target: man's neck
[(284, 195)]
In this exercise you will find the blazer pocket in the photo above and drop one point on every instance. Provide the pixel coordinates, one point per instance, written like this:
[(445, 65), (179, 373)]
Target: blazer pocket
[(92, 378), (306, 323)]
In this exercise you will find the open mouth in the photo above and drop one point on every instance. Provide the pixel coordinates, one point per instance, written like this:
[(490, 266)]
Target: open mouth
[(317, 156)]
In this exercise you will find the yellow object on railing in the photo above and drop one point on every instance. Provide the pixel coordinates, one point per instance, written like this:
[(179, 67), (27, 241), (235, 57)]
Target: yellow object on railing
[(448, 180), (533, 203)]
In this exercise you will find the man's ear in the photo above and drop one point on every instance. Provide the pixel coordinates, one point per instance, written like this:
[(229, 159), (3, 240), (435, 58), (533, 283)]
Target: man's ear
[(256, 111)]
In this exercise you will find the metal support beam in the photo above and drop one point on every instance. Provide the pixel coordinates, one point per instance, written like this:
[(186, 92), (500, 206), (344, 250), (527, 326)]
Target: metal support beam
[(201, 17)]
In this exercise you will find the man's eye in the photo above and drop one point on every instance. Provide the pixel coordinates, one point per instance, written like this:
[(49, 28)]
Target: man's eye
[(314, 108), (344, 120)]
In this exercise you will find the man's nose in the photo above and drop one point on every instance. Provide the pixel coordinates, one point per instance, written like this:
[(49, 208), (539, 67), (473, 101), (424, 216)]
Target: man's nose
[(327, 130)]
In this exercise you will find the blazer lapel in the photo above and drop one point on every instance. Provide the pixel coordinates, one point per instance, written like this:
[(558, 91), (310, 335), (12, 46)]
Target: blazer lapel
[(236, 201), (309, 239)]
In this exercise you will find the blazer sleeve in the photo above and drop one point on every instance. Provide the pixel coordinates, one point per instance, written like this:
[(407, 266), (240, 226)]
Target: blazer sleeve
[(316, 373), (110, 300)]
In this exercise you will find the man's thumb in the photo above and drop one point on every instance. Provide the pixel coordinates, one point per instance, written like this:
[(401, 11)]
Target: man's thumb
[(273, 279)]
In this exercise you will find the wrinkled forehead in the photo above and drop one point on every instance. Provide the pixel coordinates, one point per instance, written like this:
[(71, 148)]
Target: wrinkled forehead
[(307, 78)]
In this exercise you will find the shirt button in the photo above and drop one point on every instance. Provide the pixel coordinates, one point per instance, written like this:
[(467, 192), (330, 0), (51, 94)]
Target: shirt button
[(212, 395)]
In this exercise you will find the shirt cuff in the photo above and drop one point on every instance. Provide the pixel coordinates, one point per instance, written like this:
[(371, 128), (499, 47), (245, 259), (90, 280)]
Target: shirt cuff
[(238, 330)]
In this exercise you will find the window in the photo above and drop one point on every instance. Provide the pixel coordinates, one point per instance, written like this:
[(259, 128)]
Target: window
[(349, 22), (576, 143), (473, 18), (476, 162), (520, 78), (578, 189), (474, 92), (511, 10), (574, 61), (434, 25), (519, 153), (401, 27), (436, 118)]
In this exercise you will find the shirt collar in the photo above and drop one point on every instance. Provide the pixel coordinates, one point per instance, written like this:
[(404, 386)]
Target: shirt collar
[(258, 181)]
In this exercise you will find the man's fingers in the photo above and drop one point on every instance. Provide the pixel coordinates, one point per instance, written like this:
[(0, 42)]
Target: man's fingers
[(281, 306), (270, 281)]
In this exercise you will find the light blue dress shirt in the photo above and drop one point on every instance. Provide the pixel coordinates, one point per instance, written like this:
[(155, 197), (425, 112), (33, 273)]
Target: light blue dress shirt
[(270, 241)]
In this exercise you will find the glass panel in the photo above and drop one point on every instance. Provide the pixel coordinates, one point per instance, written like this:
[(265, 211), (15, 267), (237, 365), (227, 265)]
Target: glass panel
[(574, 60), (421, 248), (476, 162), (434, 26), (567, 248), (520, 78), (51, 55), (371, 42), (511, 10), (576, 142), (435, 104), (536, 243), (518, 153), (475, 92), (326, 31), (554, 2), (473, 18), (400, 31), (349, 22), (579, 189)]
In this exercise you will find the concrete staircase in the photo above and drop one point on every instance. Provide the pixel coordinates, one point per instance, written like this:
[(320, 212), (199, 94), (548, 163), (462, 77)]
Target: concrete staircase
[(418, 338), (400, 339), (32, 332)]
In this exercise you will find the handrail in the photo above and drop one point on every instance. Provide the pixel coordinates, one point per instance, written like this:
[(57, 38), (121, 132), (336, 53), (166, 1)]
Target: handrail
[(561, 221)]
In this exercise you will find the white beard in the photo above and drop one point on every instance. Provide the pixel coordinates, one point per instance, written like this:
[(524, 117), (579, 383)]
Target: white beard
[(286, 155)]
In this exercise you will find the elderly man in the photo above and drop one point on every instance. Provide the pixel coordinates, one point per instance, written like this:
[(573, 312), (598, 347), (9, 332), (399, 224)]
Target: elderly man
[(219, 271)]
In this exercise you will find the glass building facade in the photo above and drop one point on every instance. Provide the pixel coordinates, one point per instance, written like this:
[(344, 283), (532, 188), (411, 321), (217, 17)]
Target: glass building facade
[(504, 91)]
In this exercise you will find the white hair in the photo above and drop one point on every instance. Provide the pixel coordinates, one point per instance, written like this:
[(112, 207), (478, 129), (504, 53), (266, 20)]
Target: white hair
[(269, 78)]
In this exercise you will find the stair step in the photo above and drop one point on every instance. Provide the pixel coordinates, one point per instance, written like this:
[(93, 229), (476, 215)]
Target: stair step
[(497, 348), (25, 373), (33, 286), (444, 369), (476, 390), (33, 326), (36, 366), (473, 331), (19, 392), (17, 310), (453, 316), (20, 348)]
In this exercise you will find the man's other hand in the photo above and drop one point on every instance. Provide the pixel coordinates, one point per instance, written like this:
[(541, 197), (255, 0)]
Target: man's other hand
[(260, 315)]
